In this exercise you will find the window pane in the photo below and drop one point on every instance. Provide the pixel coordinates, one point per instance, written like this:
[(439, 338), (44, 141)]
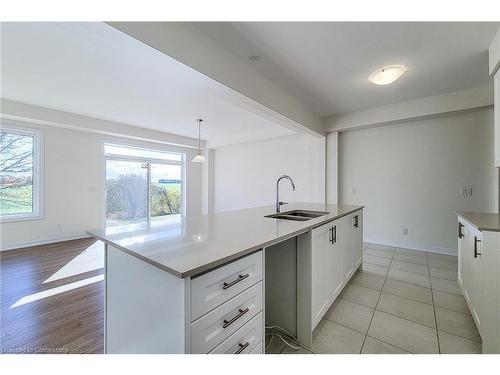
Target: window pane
[(166, 191), (140, 153), (16, 173), (126, 192)]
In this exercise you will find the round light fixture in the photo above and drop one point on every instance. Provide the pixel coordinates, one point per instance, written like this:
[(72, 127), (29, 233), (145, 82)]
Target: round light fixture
[(387, 74), (199, 158)]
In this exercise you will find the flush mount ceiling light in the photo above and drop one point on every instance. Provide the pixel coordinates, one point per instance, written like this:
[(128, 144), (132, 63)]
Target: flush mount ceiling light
[(387, 74), (199, 158)]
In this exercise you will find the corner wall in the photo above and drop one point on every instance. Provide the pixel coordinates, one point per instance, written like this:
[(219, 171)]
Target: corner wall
[(409, 175), (245, 174)]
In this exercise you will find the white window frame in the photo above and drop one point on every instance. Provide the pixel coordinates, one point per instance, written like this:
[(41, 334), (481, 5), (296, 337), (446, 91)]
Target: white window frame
[(147, 161), (37, 192)]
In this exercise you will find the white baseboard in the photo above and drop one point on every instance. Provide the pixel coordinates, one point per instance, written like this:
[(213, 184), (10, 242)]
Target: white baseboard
[(21, 245), (417, 247)]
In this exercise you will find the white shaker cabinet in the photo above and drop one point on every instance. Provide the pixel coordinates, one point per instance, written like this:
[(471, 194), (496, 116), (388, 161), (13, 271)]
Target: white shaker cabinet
[(496, 103), (336, 251), (479, 276)]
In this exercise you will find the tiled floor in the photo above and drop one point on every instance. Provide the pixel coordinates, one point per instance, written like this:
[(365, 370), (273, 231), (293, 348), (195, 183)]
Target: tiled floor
[(400, 301)]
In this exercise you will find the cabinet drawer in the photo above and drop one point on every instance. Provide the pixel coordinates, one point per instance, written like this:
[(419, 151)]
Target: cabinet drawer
[(211, 329), (216, 287), (244, 340), (259, 349)]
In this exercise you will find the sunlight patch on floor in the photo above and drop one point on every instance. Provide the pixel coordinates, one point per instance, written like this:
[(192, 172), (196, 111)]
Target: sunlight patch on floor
[(57, 290), (89, 260)]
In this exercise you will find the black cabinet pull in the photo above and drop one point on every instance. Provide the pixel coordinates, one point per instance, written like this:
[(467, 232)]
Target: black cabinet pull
[(476, 253), (240, 278), (356, 221), (227, 323), (460, 233), (331, 234), (334, 234), (242, 347)]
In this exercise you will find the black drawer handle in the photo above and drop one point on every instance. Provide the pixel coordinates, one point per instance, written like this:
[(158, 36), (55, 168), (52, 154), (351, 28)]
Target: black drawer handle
[(227, 323), (356, 221), (476, 241), (242, 347), (334, 234), (460, 233), (331, 234), (240, 278)]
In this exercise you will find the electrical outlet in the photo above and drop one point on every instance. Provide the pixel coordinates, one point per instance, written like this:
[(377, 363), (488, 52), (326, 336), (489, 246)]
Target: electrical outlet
[(466, 191), (404, 231), (59, 226)]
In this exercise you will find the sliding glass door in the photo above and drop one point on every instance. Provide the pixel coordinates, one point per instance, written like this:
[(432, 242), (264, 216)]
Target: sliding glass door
[(141, 188), (126, 192)]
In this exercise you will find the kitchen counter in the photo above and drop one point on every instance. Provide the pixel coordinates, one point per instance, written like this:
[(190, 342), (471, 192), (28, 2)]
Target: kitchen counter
[(482, 221), (186, 247)]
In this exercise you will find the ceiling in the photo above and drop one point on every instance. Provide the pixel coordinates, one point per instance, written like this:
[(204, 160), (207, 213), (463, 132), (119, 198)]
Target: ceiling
[(92, 69), (326, 64)]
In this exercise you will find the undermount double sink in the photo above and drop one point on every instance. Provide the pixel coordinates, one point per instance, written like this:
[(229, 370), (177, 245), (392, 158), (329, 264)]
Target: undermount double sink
[(297, 215)]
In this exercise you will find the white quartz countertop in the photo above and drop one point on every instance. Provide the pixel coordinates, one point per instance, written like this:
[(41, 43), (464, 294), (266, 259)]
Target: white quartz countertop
[(186, 247), (482, 221)]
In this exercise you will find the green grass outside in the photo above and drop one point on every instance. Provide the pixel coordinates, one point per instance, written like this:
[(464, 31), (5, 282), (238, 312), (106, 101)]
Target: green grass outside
[(22, 197)]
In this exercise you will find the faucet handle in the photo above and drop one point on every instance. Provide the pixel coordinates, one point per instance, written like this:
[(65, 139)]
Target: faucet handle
[(282, 203)]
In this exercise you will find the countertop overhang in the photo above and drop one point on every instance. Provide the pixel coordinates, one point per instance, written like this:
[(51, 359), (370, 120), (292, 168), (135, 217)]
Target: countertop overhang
[(482, 221), (189, 246)]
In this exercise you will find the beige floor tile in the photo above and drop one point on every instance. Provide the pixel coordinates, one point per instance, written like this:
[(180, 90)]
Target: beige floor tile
[(378, 253), (409, 277), (350, 314), (410, 267), (410, 291), (381, 247), (368, 280), (403, 334), (400, 250), (444, 274), (374, 346), (374, 269), (332, 338), (276, 346), (451, 344), (444, 285), (289, 350), (376, 260), (361, 295), (443, 258), (417, 312), (410, 259), (457, 324), (441, 264), (450, 301)]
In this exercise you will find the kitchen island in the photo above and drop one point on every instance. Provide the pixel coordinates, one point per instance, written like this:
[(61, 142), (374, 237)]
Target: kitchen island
[(208, 284)]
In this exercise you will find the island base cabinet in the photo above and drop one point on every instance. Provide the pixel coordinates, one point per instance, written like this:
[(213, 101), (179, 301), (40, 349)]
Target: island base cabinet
[(325, 264), (479, 279)]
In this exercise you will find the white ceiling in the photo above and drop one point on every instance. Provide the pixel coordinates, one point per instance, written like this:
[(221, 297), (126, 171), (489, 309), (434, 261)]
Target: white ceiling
[(95, 70), (326, 64)]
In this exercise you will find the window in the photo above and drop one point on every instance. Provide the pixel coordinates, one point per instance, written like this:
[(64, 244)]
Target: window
[(20, 173), (142, 185)]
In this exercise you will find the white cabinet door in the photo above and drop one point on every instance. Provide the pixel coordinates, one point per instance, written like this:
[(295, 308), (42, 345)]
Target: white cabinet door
[(476, 274), (357, 239), (321, 256), (490, 291), (462, 246), (337, 276), (466, 262), (346, 247)]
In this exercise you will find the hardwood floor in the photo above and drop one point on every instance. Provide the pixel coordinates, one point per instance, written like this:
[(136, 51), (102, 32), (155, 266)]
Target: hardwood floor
[(52, 298)]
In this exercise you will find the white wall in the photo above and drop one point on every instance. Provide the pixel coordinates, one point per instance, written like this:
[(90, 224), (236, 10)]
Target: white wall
[(409, 175), (73, 174), (245, 174)]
